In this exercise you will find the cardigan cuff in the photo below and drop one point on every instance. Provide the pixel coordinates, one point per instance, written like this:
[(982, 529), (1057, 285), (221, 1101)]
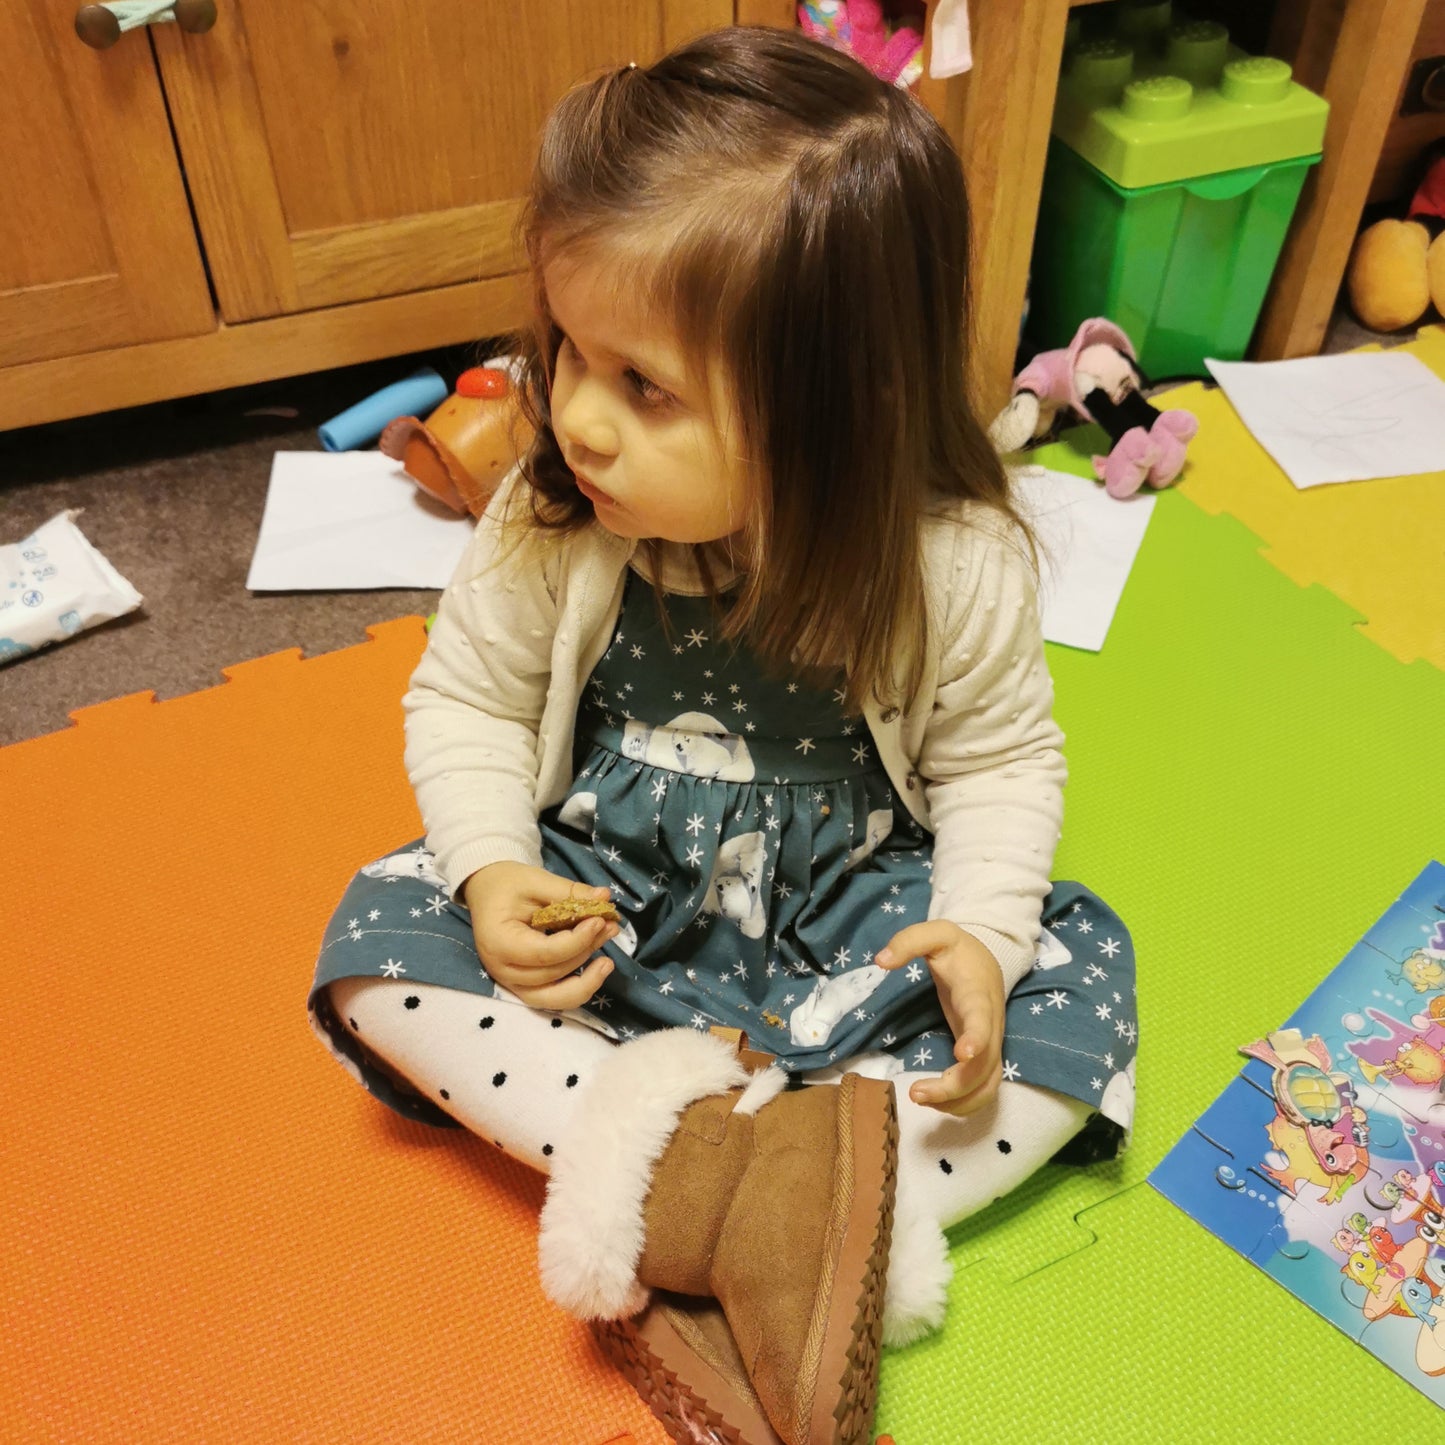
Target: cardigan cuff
[(1014, 962), (471, 857)]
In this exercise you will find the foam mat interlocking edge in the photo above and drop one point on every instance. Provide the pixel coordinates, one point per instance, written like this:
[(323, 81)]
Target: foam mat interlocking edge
[(211, 1232), (1378, 545)]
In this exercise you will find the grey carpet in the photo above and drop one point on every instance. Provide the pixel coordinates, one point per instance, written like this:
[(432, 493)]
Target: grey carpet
[(172, 496)]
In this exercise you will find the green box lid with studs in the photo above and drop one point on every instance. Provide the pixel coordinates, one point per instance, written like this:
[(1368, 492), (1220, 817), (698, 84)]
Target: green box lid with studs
[(1163, 100)]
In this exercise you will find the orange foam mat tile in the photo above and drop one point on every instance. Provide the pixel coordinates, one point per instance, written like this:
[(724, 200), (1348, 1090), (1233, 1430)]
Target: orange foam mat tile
[(211, 1233), (1379, 546)]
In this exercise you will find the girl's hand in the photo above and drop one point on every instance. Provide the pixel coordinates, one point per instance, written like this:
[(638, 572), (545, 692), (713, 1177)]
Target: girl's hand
[(970, 987), (535, 966)]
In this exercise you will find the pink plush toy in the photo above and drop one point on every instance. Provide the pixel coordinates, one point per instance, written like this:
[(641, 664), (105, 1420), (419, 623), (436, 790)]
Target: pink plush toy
[(860, 28), (1096, 377)]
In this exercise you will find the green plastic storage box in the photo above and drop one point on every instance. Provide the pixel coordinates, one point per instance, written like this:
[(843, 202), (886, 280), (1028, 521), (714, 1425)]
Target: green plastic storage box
[(1174, 169)]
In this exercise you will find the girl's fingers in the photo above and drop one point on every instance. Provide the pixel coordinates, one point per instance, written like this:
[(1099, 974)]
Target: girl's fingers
[(959, 1090), (918, 940), (576, 945), (981, 1098), (556, 953), (973, 1023), (570, 992), (545, 887)]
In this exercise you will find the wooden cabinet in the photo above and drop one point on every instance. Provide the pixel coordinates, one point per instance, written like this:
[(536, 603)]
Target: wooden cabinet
[(96, 244), (345, 149), (354, 169)]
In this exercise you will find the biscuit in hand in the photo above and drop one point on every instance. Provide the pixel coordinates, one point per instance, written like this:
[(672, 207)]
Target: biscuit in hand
[(569, 911)]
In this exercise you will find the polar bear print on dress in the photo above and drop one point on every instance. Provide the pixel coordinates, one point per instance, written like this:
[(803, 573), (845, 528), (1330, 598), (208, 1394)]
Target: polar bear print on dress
[(814, 1020), (735, 889), (1051, 952), (579, 812), (880, 825), (418, 863), (1117, 1102), (691, 743)]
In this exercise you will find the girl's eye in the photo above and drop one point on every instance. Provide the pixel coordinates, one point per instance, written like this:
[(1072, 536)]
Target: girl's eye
[(647, 389)]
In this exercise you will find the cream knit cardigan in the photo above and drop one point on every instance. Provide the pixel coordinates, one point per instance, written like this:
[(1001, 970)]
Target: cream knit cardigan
[(976, 758)]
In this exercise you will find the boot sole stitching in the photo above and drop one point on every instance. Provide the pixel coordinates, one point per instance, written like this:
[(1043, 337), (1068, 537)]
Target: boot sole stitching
[(858, 1334), (664, 1392)]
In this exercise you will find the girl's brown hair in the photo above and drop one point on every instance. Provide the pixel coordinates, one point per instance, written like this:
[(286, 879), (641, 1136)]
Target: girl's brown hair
[(803, 226)]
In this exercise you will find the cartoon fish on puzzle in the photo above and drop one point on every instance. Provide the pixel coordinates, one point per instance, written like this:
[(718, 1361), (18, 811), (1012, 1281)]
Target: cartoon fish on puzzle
[(1318, 1127), (1302, 1164), (1409, 1054), (1361, 1268), (1416, 1061), (1417, 1297), (1424, 970)]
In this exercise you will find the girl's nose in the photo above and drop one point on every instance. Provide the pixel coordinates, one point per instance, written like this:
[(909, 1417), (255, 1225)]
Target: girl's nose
[(585, 425)]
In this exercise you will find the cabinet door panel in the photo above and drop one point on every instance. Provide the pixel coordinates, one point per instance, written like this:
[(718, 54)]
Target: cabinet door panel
[(96, 243), (344, 149)]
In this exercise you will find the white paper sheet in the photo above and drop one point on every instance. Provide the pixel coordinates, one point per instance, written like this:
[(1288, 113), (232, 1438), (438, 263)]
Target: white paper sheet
[(1087, 541), (1348, 418), (351, 521)]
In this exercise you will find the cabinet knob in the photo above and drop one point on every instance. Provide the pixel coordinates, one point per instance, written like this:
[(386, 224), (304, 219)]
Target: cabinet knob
[(97, 26), (195, 17), (100, 26)]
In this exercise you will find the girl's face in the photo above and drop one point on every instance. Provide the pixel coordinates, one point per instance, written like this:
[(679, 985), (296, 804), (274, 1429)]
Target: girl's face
[(653, 449)]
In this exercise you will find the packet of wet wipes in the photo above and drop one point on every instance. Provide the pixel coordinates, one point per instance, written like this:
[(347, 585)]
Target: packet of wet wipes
[(55, 584)]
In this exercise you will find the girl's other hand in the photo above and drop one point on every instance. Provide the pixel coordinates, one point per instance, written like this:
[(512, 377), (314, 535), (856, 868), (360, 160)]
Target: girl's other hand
[(970, 988), (537, 967)]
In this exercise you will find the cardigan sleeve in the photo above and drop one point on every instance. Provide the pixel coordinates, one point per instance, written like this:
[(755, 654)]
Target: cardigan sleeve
[(474, 707), (991, 759)]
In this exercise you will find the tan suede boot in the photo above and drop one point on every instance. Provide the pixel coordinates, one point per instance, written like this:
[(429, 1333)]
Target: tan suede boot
[(777, 1204), (680, 1356)]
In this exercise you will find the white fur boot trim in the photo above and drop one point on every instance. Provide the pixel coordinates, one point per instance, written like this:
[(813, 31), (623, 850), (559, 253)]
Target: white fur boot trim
[(764, 1087), (602, 1166), (919, 1270)]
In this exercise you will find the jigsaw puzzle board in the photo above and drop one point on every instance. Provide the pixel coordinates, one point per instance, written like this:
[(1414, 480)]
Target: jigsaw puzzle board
[(1323, 1162)]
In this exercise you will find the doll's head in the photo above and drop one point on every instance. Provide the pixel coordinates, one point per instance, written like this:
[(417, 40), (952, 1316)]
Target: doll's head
[(763, 251)]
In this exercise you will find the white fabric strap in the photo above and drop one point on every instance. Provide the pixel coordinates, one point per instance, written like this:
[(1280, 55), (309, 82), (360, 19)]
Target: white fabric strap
[(952, 52)]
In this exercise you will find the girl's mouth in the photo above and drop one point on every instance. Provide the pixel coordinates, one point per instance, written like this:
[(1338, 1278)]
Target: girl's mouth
[(594, 494)]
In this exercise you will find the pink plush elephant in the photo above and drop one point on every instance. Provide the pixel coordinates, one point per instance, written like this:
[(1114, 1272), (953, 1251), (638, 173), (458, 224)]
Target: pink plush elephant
[(1096, 377)]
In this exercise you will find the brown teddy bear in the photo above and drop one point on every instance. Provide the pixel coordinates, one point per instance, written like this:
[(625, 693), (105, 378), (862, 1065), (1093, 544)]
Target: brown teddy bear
[(1398, 266)]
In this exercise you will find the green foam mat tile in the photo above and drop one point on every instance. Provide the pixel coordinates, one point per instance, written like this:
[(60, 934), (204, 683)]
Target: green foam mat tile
[(1252, 783)]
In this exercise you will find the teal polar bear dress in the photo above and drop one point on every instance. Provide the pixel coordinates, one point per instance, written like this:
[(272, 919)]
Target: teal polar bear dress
[(760, 859)]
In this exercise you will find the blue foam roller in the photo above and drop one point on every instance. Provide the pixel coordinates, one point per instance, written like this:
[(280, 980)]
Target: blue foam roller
[(416, 395)]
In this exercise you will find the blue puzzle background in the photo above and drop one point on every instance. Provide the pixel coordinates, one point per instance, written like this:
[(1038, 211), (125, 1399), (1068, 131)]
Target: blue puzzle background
[(1243, 1172)]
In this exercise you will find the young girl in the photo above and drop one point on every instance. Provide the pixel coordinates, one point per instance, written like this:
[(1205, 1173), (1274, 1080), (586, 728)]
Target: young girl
[(750, 647)]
